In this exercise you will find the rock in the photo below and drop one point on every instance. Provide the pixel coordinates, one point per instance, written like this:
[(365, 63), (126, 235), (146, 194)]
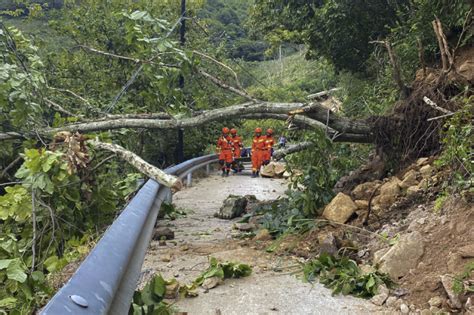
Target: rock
[(469, 306), (409, 180), (340, 208), (434, 310), (404, 309), (467, 251), (453, 262), (166, 258), (447, 281), (423, 185), (379, 254), (172, 290), (422, 161), (391, 300), (398, 292), (412, 190), (366, 269), (267, 170), (233, 207), (363, 191), (426, 171), (435, 301), (246, 227), (381, 296), (328, 244), (425, 312), (162, 243), (403, 256), (466, 69), (389, 192), (211, 283), (362, 204), (162, 233), (263, 235)]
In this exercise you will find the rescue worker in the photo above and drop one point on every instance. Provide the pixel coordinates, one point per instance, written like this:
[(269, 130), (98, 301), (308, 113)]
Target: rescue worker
[(224, 149), (258, 147), (237, 146), (269, 142)]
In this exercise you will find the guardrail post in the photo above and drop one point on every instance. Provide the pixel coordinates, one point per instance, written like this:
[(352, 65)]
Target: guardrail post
[(189, 179), (169, 197)]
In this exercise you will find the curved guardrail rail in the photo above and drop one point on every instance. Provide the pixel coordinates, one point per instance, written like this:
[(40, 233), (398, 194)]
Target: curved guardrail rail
[(104, 283)]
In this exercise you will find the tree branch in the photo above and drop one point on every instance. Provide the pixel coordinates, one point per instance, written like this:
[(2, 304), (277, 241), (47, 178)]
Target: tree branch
[(322, 93), (435, 106), (224, 85), (397, 73), (279, 154), (141, 165)]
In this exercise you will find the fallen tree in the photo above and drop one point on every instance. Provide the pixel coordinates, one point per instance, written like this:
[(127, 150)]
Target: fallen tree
[(317, 116)]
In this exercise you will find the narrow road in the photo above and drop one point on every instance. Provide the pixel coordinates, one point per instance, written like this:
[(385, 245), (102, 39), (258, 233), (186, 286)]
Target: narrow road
[(271, 289)]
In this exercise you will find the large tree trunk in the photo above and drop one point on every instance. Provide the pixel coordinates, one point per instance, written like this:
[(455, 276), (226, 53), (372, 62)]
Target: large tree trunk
[(312, 114)]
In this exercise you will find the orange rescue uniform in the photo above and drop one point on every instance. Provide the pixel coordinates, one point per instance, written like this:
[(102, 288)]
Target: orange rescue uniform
[(258, 147), (237, 143), (224, 147), (267, 153)]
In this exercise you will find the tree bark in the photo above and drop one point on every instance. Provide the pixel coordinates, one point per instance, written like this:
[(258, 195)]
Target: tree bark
[(141, 165)]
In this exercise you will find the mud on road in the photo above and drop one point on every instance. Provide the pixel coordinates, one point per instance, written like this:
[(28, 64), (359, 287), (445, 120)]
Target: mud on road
[(271, 289)]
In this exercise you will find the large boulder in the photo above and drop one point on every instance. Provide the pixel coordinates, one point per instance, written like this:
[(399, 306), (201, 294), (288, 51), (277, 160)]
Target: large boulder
[(363, 191), (402, 256), (234, 206), (340, 208)]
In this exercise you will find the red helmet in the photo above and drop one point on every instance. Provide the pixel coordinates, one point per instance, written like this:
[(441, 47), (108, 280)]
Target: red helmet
[(258, 130), (233, 131), (225, 130), (269, 131)]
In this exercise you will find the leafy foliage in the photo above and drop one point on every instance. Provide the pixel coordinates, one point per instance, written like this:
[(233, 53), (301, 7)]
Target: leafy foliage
[(459, 285), (223, 270), (457, 147), (342, 275), (149, 300)]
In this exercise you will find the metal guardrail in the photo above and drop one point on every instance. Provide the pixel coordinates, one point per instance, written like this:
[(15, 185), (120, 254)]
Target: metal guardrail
[(104, 283)]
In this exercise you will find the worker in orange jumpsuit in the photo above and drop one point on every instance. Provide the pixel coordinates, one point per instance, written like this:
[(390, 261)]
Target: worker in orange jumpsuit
[(237, 145), (224, 149), (258, 147), (269, 142)]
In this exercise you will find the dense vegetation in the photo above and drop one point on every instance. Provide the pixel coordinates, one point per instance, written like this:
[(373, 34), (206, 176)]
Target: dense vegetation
[(94, 60)]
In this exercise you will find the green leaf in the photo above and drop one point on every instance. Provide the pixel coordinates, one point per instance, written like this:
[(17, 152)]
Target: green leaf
[(4, 263), (370, 283), (8, 302), (16, 271), (159, 286)]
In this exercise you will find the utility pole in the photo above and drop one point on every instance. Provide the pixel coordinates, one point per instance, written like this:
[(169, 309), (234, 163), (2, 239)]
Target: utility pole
[(182, 40)]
